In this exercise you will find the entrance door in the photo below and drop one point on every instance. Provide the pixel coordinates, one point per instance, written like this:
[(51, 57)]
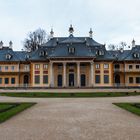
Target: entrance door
[(117, 80), (59, 80), (83, 80), (26, 80), (71, 79)]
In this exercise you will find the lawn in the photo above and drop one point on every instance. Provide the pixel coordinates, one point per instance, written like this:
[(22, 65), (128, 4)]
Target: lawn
[(51, 95), (131, 107), (8, 110)]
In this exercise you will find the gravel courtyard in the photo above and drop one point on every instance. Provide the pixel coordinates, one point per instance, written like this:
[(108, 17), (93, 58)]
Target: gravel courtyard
[(72, 119)]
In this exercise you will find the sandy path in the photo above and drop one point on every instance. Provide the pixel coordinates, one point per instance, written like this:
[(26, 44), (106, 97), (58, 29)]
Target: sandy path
[(72, 119)]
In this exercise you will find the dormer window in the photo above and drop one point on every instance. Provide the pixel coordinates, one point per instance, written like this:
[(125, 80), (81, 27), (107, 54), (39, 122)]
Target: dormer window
[(46, 53), (71, 50), (99, 52), (43, 53), (136, 55), (8, 56), (27, 56)]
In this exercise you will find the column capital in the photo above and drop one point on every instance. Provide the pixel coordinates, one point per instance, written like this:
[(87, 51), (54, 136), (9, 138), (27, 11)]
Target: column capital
[(78, 63), (92, 63), (51, 62), (64, 63)]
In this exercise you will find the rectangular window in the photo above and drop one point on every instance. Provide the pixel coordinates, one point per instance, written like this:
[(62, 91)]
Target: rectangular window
[(130, 80), (106, 66), (6, 68), (37, 72), (137, 66), (97, 66), (106, 79), (130, 66), (45, 66), (137, 80), (45, 79), (37, 79), (12, 80), (37, 66), (26, 67), (71, 50), (97, 79), (83, 66), (6, 80), (71, 66), (12, 68), (45, 72), (0, 80)]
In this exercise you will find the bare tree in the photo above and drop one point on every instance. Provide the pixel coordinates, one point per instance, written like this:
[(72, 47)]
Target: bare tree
[(121, 46), (35, 39), (112, 47)]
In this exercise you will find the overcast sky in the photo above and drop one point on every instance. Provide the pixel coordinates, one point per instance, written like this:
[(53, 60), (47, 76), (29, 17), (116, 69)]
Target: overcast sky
[(112, 21)]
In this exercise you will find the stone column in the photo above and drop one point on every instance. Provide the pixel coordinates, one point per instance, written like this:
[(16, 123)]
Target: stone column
[(92, 74), (51, 75), (78, 74), (64, 74)]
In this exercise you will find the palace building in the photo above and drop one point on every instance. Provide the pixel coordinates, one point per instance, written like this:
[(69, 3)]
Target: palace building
[(70, 62)]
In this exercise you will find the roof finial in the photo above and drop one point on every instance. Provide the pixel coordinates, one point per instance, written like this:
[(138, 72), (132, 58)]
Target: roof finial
[(133, 43), (71, 30), (90, 33), (1, 45), (10, 44), (51, 33)]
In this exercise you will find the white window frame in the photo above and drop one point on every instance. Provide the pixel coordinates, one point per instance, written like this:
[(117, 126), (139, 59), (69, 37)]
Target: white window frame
[(45, 66), (97, 66), (106, 66), (37, 66)]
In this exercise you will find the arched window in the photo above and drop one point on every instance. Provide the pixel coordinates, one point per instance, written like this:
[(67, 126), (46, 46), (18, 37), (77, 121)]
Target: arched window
[(27, 56), (99, 52), (8, 56), (41, 53), (136, 55)]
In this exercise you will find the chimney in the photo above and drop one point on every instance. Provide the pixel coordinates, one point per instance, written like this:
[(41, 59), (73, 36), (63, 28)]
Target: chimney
[(10, 44), (133, 43), (1, 45)]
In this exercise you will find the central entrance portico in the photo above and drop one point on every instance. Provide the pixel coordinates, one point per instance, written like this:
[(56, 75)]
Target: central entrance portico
[(72, 73)]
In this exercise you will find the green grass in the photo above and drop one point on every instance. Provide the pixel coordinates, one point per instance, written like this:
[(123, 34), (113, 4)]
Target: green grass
[(131, 107), (4, 106), (11, 109), (51, 95)]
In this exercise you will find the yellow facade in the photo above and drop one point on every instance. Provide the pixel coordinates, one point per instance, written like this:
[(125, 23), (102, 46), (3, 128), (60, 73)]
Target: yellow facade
[(41, 74)]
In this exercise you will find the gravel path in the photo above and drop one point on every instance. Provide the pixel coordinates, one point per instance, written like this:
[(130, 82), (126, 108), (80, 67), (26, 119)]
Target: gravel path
[(64, 90), (72, 119)]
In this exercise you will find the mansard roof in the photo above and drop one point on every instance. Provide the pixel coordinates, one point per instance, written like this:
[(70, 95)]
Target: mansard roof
[(126, 55), (84, 46), (58, 47), (71, 39), (7, 51)]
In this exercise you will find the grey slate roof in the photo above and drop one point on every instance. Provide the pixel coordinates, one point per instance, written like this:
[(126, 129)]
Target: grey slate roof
[(126, 55), (57, 47), (84, 46), (6, 50)]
